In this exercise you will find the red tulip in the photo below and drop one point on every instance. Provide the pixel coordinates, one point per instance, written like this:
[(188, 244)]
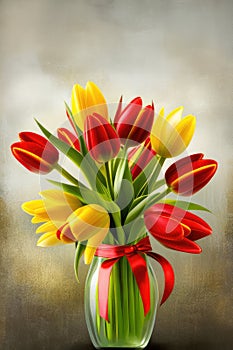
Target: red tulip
[(176, 228), (35, 153), (101, 139), (67, 136), (134, 124), (188, 175), (145, 157)]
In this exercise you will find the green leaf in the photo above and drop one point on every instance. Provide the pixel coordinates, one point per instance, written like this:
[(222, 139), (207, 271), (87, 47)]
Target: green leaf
[(137, 201), (136, 211), (119, 176), (158, 184), (137, 229), (125, 197), (123, 187), (142, 178), (79, 132), (77, 129), (75, 190), (78, 254), (70, 152), (185, 205), (144, 204)]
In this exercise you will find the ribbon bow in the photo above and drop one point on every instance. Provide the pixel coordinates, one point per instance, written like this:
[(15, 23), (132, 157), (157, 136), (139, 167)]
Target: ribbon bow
[(134, 255)]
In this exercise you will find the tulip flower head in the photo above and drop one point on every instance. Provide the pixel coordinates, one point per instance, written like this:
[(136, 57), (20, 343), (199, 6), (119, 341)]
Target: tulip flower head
[(171, 135), (52, 210), (35, 153), (68, 137), (101, 139), (176, 228), (190, 174), (133, 123), (86, 101), (90, 222)]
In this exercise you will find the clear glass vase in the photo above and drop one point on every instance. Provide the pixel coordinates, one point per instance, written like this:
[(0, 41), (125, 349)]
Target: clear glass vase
[(127, 326)]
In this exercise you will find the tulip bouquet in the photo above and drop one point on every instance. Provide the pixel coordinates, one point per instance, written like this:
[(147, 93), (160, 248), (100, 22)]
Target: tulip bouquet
[(118, 201)]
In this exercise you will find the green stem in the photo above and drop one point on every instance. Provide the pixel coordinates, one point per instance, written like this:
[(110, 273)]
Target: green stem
[(110, 324), (144, 204), (154, 176), (158, 184), (67, 175), (109, 180), (118, 307), (131, 301), (126, 315), (118, 226), (97, 310), (138, 311), (153, 200)]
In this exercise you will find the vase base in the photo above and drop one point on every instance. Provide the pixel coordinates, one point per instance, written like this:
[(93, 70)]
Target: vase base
[(123, 346)]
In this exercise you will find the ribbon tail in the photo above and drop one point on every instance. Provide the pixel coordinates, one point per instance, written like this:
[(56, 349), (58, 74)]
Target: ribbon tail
[(169, 276), (103, 286), (139, 269)]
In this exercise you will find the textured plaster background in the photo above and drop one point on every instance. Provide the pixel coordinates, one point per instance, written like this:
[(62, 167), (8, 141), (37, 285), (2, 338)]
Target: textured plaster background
[(176, 52)]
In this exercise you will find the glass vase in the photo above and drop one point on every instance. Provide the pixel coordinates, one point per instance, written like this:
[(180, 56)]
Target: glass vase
[(127, 326)]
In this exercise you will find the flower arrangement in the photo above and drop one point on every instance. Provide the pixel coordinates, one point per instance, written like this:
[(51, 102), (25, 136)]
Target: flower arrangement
[(123, 200)]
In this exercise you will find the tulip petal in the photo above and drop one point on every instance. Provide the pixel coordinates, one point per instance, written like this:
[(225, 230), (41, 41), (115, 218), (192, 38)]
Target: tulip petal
[(101, 139), (67, 136), (65, 234), (161, 226), (141, 128), (160, 135), (89, 254), (54, 197), (198, 230), (49, 239), (43, 217), (49, 226), (94, 97), (31, 206), (175, 116), (93, 244), (139, 157), (182, 135), (185, 245), (78, 99), (87, 221), (118, 111), (130, 112)]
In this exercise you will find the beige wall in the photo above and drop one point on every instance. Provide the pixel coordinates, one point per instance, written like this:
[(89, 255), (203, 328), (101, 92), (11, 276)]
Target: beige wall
[(174, 52)]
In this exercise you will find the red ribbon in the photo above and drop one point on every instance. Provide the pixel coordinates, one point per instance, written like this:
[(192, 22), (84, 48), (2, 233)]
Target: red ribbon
[(134, 255)]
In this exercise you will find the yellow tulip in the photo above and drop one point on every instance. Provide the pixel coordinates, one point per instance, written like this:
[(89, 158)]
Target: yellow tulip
[(171, 135), (56, 205), (54, 209), (86, 101), (88, 221)]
